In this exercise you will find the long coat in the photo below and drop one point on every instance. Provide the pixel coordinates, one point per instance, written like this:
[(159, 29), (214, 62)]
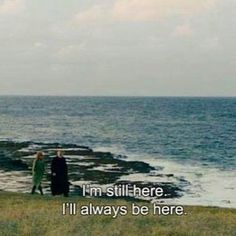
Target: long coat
[(59, 176), (38, 171)]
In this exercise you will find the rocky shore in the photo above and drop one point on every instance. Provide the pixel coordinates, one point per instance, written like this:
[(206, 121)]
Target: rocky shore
[(85, 166)]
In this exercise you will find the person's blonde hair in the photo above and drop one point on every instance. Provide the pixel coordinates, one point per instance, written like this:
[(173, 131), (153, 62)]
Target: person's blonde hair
[(39, 155)]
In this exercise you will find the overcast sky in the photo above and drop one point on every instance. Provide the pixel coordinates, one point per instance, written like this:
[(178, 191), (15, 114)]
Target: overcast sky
[(118, 47)]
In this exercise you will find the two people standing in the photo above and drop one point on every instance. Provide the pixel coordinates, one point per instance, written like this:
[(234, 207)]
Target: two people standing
[(59, 174)]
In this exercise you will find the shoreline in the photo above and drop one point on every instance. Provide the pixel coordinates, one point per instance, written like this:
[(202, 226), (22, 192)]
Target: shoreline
[(85, 166), (96, 168)]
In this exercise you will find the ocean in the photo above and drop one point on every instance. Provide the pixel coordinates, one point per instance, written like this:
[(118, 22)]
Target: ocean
[(186, 136)]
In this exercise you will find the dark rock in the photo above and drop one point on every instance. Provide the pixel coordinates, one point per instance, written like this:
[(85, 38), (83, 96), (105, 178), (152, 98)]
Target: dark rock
[(84, 164)]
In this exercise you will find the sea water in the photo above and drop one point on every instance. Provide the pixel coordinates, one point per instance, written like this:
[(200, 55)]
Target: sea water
[(190, 137)]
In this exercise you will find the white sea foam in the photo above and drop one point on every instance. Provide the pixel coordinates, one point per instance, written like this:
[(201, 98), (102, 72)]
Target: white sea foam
[(107, 168), (207, 186), (15, 180)]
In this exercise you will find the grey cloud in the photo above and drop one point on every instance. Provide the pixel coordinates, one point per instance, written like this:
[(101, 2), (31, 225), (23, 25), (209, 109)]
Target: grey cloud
[(43, 51)]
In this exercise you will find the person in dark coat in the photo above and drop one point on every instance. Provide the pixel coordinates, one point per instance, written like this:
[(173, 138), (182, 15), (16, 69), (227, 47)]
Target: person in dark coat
[(59, 170)]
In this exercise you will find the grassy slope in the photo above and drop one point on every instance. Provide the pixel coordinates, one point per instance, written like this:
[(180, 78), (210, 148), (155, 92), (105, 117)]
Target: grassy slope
[(23, 214)]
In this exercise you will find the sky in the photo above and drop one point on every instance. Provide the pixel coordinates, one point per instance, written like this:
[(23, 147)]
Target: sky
[(118, 47)]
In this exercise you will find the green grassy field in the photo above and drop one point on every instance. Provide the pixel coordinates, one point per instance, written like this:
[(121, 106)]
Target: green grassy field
[(24, 214)]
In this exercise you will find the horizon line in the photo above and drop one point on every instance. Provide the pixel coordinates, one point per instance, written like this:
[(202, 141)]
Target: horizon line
[(134, 96)]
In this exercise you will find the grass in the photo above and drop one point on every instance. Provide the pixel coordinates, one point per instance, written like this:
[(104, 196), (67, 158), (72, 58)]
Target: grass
[(24, 214)]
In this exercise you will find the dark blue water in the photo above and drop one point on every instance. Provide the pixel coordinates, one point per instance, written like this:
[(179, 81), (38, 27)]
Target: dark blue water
[(188, 130)]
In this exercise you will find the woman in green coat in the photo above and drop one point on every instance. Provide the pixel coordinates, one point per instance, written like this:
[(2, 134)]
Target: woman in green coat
[(38, 171)]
